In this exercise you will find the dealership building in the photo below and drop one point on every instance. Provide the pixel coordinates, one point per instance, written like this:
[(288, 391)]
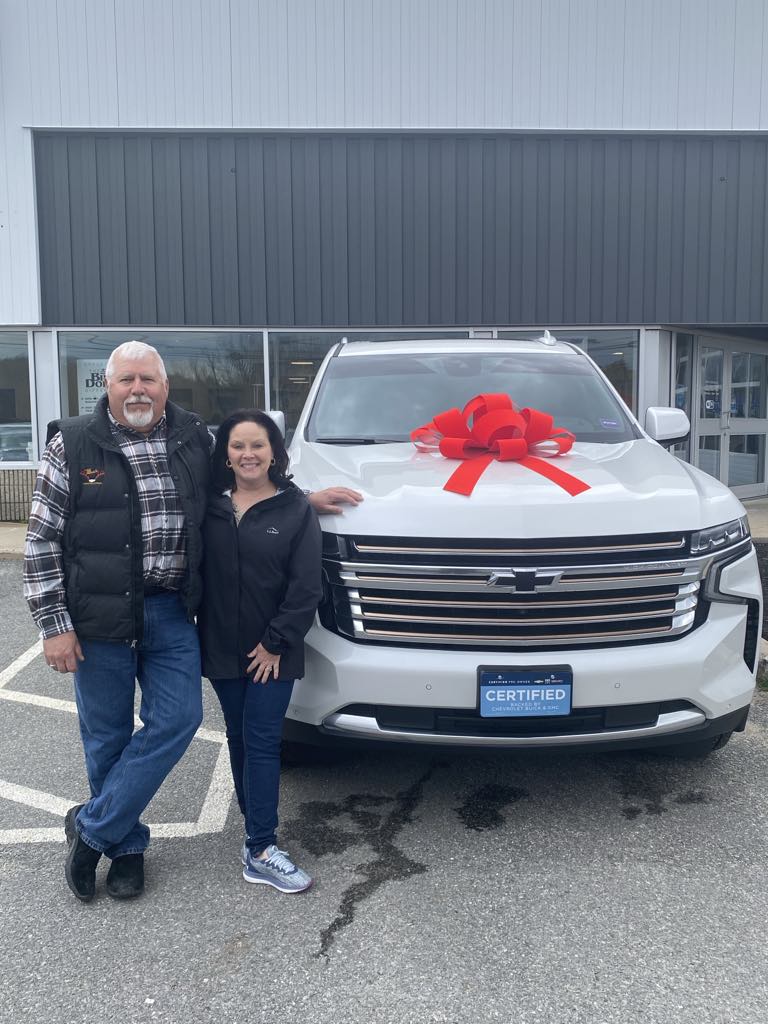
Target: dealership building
[(243, 184)]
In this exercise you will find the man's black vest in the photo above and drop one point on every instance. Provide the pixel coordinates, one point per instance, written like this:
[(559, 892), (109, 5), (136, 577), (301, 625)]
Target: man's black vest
[(102, 543)]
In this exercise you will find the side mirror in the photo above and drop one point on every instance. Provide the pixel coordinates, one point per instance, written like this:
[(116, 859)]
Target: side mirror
[(667, 426), (279, 418)]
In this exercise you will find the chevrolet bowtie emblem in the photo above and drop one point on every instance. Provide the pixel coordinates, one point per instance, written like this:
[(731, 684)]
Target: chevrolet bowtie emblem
[(526, 580)]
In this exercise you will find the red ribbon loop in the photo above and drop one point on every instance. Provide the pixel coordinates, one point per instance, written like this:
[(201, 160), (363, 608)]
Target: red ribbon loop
[(491, 427)]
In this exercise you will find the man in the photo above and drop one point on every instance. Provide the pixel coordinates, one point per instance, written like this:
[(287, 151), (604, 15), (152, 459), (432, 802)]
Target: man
[(111, 575)]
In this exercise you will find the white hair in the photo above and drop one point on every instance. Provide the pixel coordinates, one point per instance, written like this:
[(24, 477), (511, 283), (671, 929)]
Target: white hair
[(134, 350)]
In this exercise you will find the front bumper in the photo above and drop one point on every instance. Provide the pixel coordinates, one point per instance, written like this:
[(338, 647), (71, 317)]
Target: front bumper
[(705, 670)]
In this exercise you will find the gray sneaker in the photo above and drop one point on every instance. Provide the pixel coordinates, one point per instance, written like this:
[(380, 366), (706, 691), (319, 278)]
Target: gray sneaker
[(277, 870)]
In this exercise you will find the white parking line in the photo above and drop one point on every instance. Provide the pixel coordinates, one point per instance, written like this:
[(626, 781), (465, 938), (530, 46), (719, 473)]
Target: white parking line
[(35, 798), (213, 813), (21, 662)]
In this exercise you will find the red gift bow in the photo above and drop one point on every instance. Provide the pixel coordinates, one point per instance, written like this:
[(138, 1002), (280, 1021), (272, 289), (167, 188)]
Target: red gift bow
[(499, 431)]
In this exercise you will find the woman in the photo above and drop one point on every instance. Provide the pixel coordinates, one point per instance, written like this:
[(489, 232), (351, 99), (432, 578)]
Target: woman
[(262, 586)]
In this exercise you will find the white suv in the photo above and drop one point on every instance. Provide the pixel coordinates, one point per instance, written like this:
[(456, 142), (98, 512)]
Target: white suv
[(520, 616)]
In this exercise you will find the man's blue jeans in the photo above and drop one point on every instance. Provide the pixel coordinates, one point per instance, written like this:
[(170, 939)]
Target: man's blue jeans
[(126, 768), (253, 714)]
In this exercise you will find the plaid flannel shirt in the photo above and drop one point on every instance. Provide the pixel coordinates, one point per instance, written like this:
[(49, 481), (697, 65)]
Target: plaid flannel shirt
[(162, 523)]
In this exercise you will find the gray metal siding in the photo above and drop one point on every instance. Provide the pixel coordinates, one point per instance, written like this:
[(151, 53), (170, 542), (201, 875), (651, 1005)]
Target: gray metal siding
[(401, 229)]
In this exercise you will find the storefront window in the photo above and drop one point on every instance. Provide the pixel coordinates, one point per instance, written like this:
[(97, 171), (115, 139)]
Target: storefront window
[(748, 379), (746, 459), (711, 397), (210, 373), (295, 358), (683, 387), (16, 440), (615, 352), (709, 455)]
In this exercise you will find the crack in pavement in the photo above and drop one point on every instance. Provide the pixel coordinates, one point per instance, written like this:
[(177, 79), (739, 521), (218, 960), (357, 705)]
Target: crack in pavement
[(379, 820)]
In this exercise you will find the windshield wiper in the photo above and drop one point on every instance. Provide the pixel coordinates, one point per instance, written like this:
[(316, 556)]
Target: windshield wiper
[(356, 440)]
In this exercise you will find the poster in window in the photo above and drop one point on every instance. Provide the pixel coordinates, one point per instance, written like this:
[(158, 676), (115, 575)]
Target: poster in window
[(90, 383)]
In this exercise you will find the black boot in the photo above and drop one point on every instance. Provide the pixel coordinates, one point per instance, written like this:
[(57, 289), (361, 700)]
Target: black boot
[(125, 878), (80, 865)]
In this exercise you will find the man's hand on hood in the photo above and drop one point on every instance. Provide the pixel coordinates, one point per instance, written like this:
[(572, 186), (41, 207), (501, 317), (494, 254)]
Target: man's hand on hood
[(330, 500)]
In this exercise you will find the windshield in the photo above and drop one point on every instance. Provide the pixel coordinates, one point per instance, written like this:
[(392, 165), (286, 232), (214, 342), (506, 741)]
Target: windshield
[(378, 398)]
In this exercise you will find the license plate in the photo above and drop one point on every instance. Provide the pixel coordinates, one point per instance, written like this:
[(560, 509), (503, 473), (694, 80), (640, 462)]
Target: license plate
[(525, 692)]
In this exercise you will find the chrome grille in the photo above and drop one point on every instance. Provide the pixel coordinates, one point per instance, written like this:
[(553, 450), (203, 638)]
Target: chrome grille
[(548, 594)]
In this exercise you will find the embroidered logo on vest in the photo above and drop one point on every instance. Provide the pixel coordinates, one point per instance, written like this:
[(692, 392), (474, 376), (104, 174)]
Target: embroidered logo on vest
[(92, 476), (273, 530)]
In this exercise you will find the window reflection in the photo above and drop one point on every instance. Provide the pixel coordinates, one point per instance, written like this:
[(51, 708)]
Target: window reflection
[(16, 443), (746, 459), (295, 358), (210, 373), (748, 385), (710, 399), (615, 352), (709, 455), (683, 387)]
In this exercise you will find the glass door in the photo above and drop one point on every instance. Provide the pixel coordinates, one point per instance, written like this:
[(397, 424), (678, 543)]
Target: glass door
[(731, 414), (747, 422)]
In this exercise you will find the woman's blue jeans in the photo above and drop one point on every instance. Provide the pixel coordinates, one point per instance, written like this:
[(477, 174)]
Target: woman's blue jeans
[(254, 713), (126, 768)]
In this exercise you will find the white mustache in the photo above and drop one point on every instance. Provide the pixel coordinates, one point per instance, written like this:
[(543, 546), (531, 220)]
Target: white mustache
[(141, 400)]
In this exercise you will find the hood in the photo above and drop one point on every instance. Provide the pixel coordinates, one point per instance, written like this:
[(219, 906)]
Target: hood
[(635, 487)]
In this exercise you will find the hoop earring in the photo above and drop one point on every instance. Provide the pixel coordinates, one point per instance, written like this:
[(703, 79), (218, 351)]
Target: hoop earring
[(273, 461), (228, 464)]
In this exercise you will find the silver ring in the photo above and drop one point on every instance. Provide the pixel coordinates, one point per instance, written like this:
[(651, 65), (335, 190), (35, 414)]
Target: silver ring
[(51, 664)]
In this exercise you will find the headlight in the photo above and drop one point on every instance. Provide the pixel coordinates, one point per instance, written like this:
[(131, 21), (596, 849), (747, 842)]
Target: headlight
[(718, 538)]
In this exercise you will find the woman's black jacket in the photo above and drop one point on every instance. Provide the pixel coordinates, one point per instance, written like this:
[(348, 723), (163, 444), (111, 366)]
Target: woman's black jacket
[(261, 583)]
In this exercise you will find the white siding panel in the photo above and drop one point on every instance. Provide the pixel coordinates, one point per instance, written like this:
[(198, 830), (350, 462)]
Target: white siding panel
[(261, 85), (386, 64), (496, 63), (188, 45), (100, 60), (415, 34), (527, 58), (748, 62), (609, 62), (43, 57), (582, 62), (131, 61), (472, 65), (19, 296), (694, 69), (664, 58), (216, 68), (764, 79), (157, 42), (555, 15), (719, 59), (444, 73), (73, 61), (329, 64), (303, 56), (639, 67), (358, 60)]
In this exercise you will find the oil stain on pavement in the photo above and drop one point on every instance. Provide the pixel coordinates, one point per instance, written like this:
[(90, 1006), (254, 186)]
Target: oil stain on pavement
[(481, 811), (651, 788), (377, 822)]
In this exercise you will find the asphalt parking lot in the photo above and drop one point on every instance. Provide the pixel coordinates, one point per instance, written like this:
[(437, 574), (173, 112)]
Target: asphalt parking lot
[(450, 886)]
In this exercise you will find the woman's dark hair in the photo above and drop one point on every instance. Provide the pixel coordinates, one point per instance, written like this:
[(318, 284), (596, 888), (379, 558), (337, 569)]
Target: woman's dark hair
[(223, 477)]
